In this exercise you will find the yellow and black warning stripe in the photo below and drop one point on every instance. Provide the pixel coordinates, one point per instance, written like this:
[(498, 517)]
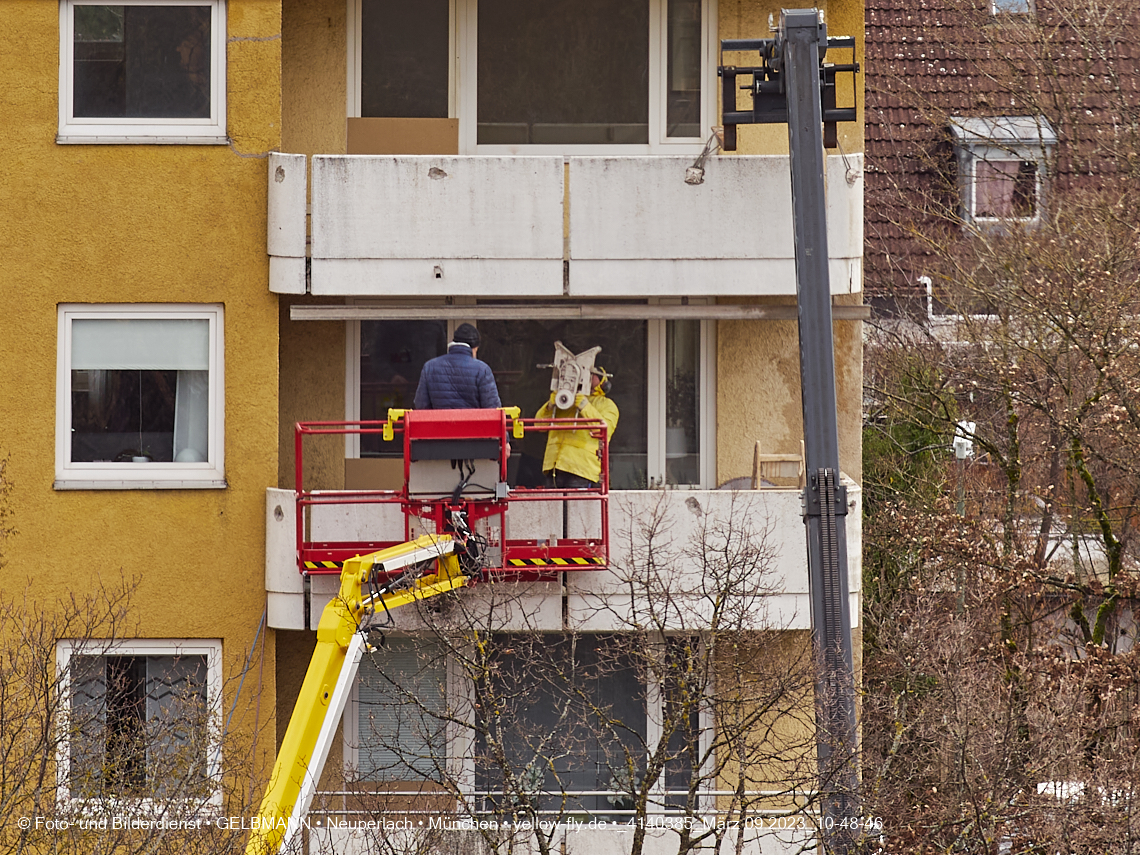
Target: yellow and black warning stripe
[(324, 565), (553, 562), (514, 562)]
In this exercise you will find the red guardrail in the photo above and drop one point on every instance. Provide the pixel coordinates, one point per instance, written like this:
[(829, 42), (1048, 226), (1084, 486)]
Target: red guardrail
[(532, 558)]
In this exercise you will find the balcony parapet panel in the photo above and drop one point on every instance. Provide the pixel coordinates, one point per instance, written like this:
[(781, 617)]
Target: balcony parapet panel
[(617, 227), (591, 600), (636, 225)]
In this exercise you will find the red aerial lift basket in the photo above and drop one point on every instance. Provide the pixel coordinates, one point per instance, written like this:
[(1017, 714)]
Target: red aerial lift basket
[(457, 460)]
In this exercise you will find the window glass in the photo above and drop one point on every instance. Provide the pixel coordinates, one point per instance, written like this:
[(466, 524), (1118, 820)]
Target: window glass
[(515, 349), (682, 402), (683, 713), (1005, 188), (138, 726), (563, 72), (565, 728), (683, 100), (392, 355), (143, 62), (140, 390), (1011, 6), (402, 739), (404, 58)]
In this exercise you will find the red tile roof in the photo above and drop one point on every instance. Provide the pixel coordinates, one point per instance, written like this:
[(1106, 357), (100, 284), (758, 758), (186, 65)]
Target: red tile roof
[(927, 60)]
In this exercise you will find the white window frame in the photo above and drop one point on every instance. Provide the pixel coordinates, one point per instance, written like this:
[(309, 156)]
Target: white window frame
[(208, 474), (987, 154), (210, 648), (463, 89), (996, 140), (654, 387), (655, 410), (115, 131)]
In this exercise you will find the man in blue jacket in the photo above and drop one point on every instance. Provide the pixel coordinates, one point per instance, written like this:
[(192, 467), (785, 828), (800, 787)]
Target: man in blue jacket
[(457, 380)]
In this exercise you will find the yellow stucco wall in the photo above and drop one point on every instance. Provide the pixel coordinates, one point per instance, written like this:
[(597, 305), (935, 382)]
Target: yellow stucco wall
[(144, 224), (313, 76)]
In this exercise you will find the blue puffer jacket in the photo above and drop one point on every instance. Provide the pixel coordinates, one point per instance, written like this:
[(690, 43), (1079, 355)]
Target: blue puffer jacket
[(457, 381)]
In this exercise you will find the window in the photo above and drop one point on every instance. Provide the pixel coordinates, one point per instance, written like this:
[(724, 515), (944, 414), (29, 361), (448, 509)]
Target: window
[(139, 397), (548, 691), (141, 720), (562, 72), (142, 71), (661, 384), (1002, 167), (398, 740), (548, 721), (1010, 7), (515, 349), (405, 71), (565, 73), (1005, 189)]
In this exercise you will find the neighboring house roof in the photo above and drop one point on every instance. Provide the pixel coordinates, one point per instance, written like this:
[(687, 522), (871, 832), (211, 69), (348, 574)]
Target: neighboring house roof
[(941, 73)]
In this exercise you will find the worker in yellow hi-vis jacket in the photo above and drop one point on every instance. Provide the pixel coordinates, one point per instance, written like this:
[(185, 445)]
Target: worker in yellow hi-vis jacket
[(572, 455)]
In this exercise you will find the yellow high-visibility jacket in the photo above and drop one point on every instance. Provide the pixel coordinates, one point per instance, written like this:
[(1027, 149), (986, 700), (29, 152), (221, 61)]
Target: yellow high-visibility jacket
[(575, 451)]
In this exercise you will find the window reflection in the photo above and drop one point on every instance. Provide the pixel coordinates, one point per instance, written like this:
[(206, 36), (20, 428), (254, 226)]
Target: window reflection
[(403, 58), (563, 72), (683, 105), (392, 355), (144, 62)]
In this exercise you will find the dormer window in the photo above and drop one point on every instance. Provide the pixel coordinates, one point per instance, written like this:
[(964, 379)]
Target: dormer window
[(1010, 7), (1002, 165)]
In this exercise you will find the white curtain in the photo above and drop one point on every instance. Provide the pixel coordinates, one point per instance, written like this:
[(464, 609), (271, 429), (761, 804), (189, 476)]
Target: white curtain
[(191, 417)]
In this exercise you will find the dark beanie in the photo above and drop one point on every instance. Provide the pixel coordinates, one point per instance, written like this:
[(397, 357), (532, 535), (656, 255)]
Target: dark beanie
[(466, 334)]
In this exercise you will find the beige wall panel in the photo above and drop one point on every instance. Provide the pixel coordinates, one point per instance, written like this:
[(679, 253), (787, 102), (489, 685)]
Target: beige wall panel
[(374, 135), (758, 393), (312, 389)]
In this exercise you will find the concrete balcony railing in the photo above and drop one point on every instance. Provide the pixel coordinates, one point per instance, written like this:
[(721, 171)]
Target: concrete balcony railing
[(592, 600), (421, 226)]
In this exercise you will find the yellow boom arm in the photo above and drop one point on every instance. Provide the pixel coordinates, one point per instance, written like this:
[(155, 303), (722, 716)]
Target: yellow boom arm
[(331, 673)]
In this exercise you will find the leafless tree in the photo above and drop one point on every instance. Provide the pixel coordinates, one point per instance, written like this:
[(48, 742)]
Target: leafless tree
[(686, 712), (98, 756), (1000, 678)]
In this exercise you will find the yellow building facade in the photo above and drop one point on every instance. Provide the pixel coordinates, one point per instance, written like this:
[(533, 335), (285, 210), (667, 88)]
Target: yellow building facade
[(139, 417), (265, 227)]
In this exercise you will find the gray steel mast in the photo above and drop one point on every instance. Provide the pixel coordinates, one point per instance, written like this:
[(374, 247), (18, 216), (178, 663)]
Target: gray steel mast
[(794, 86)]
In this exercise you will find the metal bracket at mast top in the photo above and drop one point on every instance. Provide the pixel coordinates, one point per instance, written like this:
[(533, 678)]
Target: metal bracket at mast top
[(768, 85)]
